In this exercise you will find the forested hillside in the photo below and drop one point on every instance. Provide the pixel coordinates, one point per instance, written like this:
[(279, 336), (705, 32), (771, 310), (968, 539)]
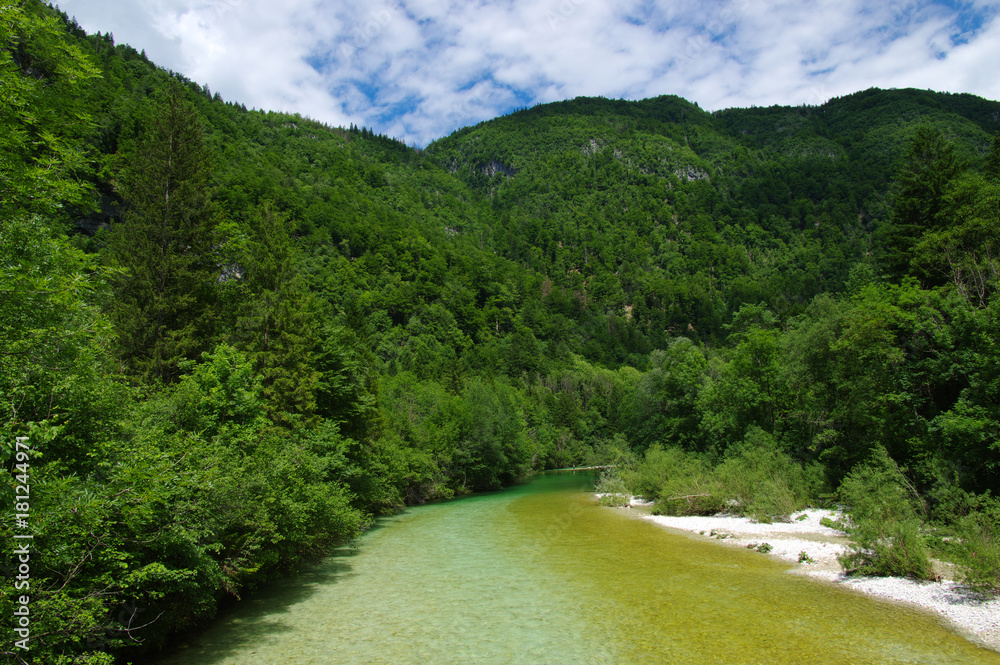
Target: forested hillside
[(231, 338)]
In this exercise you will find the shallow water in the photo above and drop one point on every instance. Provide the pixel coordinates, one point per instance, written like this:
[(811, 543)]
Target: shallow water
[(539, 574)]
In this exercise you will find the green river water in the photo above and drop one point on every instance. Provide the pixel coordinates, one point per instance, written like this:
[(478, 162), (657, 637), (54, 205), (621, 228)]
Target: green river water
[(539, 574)]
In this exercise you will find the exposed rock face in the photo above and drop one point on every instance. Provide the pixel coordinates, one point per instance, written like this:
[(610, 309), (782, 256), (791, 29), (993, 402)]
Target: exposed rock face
[(691, 173), (110, 210), (493, 168)]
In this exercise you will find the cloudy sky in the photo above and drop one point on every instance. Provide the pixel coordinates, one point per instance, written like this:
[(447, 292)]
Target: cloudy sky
[(419, 69)]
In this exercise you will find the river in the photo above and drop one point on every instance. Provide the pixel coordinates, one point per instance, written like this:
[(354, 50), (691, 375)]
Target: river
[(539, 574)]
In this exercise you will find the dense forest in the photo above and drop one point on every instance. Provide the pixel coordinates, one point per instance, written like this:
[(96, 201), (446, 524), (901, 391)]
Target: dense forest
[(231, 338)]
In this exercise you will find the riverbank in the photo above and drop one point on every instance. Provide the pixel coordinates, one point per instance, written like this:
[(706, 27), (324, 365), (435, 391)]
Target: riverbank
[(813, 549)]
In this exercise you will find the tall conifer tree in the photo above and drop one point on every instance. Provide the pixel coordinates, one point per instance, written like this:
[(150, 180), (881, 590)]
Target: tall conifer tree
[(928, 168), (993, 160), (162, 309), (275, 320)]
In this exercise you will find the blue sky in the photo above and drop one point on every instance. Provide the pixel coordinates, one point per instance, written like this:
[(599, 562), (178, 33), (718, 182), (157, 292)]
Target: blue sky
[(420, 69)]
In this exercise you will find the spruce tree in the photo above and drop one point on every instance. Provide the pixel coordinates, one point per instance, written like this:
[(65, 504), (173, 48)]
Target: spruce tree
[(928, 168), (275, 322), (993, 160), (164, 294)]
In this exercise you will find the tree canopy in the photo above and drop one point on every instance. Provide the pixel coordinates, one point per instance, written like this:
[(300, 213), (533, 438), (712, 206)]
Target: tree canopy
[(233, 337)]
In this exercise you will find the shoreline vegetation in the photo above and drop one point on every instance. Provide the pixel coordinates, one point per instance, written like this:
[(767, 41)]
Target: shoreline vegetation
[(235, 337), (812, 548)]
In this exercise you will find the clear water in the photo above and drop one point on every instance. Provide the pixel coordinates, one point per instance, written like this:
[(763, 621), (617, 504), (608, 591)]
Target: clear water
[(538, 574)]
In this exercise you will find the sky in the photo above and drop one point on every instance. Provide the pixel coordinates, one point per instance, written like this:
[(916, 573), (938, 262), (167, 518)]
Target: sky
[(417, 70)]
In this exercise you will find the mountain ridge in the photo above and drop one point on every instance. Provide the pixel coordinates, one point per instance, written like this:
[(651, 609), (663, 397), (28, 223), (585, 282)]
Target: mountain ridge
[(272, 330)]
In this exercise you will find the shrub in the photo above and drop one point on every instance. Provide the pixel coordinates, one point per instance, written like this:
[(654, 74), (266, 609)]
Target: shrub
[(647, 477), (979, 546), (883, 522), (614, 500), (756, 479), (695, 493), (686, 484), (761, 481), (612, 487), (831, 524)]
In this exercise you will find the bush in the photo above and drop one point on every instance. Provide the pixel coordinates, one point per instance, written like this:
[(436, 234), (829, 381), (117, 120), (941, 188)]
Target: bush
[(979, 546), (756, 479), (761, 481), (883, 522), (614, 500), (681, 483), (647, 477), (615, 494)]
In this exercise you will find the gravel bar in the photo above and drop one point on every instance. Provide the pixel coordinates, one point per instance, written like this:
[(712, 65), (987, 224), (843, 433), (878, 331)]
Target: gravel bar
[(813, 549)]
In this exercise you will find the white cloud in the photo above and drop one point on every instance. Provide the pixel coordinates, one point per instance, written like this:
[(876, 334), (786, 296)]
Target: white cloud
[(418, 69)]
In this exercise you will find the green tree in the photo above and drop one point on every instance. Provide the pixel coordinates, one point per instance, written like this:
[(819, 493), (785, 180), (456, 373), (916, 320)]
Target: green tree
[(927, 170), (663, 407), (749, 388), (993, 159), (163, 305), (965, 252), (494, 450), (42, 113), (883, 521), (54, 342), (275, 321)]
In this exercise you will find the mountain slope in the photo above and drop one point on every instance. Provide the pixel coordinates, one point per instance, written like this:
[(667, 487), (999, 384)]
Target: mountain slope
[(696, 298), (649, 200)]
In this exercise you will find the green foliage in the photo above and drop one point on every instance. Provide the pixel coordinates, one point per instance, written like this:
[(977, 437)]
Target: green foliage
[(666, 396), (925, 175), (680, 483), (275, 318), (221, 397), (965, 251), (762, 482), (992, 168), (493, 450), (613, 490), (42, 112), (320, 324), (979, 545), (747, 390), (754, 479), (883, 521), (56, 344), (164, 292)]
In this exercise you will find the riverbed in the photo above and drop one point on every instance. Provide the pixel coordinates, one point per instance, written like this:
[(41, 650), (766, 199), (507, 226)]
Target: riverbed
[(539, 574)]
